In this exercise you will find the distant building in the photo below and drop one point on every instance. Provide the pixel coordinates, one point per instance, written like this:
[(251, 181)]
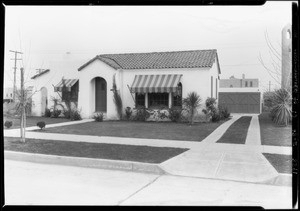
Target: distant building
[(233, 82), (286, 54), (8, 94)]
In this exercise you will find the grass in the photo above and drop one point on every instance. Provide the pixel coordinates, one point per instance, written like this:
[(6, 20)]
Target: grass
[(282, 163), (272, 134), (148, 130), (144, 154), (32, 120), (237, 132)]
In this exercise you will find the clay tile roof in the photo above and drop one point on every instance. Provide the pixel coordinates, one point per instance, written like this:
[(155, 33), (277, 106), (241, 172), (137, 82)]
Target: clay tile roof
[(158, 60)]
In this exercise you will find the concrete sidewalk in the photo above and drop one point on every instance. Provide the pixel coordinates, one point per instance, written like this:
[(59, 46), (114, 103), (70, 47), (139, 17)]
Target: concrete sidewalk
[(206, 159)]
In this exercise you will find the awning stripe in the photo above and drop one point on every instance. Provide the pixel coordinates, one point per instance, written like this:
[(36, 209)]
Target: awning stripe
[(67, 82), (155, 83)]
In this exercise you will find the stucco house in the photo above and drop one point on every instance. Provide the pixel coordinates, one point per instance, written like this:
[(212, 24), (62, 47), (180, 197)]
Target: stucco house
[(155, 80)]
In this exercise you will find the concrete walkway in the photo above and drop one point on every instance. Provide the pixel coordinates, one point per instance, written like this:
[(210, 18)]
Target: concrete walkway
[(206, 159)]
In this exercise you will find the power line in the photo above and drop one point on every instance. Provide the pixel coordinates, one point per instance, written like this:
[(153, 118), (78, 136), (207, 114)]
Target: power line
[(15, 69)]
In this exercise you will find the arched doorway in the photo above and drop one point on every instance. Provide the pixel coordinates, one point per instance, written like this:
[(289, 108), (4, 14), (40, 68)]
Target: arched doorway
[(44, 100), (100, 94)]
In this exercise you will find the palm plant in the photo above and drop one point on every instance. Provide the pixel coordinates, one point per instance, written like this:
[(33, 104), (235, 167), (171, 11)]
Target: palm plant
[(281, 111), (191, 103)]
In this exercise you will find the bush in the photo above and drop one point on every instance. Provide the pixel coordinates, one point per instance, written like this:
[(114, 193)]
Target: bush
[(75, 115), (128, 113), (224, 113), (8, 124), (55, 113), (98, 117), (67, 114), (211, 110), (141, 114), (191, 103), (175, 115), (281, 112), (41, 125), (47, 113)]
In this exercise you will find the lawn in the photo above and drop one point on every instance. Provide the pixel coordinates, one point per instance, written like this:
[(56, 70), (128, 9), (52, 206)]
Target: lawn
[(282, 163), (148, 130), (144, 154), (237, 132), (271, 134), (32, 120)]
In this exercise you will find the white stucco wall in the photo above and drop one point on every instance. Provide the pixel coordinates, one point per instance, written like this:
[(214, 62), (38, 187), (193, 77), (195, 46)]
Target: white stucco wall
[(86, 95)]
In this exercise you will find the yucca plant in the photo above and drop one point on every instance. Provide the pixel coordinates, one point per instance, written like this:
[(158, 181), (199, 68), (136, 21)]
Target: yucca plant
[(191, 103), (281, 111)]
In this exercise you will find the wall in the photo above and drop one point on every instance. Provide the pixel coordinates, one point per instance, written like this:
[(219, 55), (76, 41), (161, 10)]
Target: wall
[(58, 69), (86, 95), (226, 83)]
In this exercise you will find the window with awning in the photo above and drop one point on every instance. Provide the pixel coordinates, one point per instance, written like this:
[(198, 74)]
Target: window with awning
[(159, 90), (69, 89)]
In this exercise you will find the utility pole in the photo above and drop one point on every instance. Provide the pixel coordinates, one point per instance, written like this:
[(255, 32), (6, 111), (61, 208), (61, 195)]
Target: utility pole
[(15, 70), (23, 104)]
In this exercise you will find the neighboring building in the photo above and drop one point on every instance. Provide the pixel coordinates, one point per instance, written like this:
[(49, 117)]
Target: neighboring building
[(8, 94), (233, 82), (154, 80), (286, 54), (240, 95)]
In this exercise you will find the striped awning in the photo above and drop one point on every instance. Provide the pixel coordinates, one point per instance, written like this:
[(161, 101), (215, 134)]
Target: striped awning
[(67, 82), (155, 83)]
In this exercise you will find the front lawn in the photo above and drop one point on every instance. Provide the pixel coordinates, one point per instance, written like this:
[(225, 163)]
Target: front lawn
[(144, 154), (237, 132), (282, 163), (32, 120), (272, 134), (148, 130)]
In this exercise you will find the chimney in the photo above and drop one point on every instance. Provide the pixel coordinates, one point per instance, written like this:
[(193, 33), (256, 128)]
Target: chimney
[(243, 76)]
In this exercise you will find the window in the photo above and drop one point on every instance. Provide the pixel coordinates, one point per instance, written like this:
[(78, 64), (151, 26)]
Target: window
[(251, 84), (70, 95), (177, 97), (139, 100), (158, 99), (246, 84), (211, 85), (216, 88)]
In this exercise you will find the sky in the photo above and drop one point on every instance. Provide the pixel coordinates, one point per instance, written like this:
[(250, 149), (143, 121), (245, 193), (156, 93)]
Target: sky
[(47, 33)]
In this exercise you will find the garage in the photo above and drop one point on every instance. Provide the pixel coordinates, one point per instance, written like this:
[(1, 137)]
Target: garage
[(241, 102)]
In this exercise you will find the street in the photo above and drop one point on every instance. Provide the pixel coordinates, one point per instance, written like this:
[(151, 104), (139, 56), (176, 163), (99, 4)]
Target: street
[(42, 184)]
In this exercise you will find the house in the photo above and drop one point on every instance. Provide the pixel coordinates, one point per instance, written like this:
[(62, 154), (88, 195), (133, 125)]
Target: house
[(157, 80), (8, 94), (240, 95)]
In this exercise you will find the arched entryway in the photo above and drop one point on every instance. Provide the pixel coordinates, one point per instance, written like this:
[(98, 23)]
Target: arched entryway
[(100, 94), (44, 100)]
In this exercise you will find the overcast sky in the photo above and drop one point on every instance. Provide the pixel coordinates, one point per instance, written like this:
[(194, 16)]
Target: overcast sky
[(46, 33)]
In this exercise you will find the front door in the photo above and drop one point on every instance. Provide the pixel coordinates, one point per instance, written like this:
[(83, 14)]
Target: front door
[(100, 87)]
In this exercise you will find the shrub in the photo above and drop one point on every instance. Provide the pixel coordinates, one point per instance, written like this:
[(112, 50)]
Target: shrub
[(98, 117), (281, 112), (128, 113), (175, 115), (211, 111), (191, 103), (224, 113), (75, 115), (47, 113), (55, 113), (158, 114), (41, 125), (141, 114), (8, 124), (67, 114)]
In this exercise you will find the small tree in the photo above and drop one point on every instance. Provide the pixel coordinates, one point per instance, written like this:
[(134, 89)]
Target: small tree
[(191, 103)]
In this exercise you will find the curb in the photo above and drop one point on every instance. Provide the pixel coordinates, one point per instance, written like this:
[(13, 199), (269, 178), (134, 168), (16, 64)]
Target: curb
[(85, 162)]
